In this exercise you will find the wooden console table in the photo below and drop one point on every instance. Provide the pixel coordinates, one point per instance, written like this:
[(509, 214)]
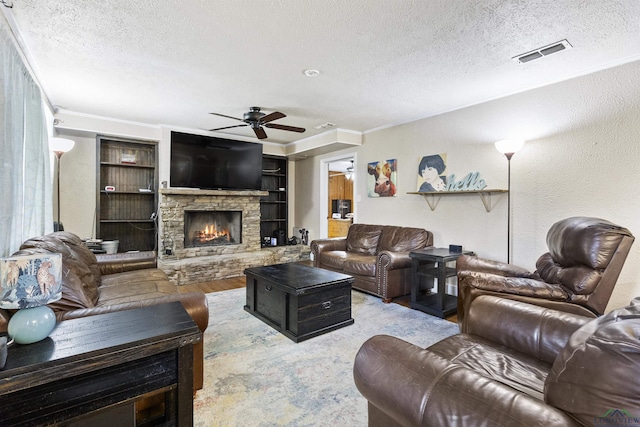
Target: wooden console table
[(103, 361)]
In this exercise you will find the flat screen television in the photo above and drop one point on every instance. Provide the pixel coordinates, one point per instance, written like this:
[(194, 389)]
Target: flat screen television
[(211, 163)]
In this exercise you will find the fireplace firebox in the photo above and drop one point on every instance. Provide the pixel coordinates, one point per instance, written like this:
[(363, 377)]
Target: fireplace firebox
[(212, 228)]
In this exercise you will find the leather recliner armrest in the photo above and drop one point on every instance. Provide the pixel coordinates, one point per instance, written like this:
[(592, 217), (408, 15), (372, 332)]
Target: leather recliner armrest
[(118, 263), (419, 388), (482, 265), (512, 285)]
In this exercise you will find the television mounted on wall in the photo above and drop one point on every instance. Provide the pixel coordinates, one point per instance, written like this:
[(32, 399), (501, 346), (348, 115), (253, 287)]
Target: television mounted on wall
[(211, 163)]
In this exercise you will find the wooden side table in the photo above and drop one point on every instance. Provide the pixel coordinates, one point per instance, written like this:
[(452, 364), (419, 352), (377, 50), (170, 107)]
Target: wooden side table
[(103, 361), (430, 264)]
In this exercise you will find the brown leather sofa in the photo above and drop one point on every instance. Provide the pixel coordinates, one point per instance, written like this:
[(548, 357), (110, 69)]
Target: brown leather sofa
[(377, 256), (109, 283), (517, 364), (577, 274)]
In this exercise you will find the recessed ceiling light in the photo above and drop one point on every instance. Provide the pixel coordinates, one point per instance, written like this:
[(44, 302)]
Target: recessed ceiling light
[(311, 73), (543, 51)]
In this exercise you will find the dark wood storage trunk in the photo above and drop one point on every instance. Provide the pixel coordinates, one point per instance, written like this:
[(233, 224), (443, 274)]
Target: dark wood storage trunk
[(298, 300)]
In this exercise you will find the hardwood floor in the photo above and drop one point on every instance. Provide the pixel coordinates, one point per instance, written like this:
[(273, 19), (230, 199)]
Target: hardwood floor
[(215, 285), (240, 282)]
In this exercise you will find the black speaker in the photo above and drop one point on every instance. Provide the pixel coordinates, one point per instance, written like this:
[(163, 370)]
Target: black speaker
[(281, 236)]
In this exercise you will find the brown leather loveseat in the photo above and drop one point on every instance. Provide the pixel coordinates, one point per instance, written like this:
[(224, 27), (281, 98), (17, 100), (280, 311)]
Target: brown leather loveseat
[(516, 364), (111, 283), (377, 256)]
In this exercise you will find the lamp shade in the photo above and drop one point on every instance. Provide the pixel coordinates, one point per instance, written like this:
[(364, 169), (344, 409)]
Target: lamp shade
[(28, 283), (506, 146), (61, 145), (30, 280)]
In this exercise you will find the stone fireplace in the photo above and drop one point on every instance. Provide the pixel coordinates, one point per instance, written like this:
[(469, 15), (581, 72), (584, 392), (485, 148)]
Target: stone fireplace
[(193, 245)]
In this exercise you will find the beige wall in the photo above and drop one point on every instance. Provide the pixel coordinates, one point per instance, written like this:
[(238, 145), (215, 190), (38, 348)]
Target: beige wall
[(580, 159), (581, 155)]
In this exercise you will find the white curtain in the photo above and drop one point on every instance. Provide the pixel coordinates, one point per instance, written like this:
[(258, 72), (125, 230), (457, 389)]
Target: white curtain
[(25, 180)]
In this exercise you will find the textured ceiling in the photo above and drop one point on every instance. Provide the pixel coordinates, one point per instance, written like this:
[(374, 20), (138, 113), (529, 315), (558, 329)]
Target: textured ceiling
[(382, 62)]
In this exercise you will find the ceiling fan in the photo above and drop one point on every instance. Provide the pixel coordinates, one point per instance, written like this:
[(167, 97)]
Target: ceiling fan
[(258, 121)]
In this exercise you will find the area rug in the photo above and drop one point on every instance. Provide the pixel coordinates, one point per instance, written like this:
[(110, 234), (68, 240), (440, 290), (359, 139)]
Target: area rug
[(255, 376)]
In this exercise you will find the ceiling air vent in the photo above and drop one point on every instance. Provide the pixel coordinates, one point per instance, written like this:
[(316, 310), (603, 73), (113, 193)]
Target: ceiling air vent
[(325, 126), (543, 51)]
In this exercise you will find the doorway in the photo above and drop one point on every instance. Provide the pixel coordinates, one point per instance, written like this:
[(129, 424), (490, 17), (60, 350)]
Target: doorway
[(338, 199)]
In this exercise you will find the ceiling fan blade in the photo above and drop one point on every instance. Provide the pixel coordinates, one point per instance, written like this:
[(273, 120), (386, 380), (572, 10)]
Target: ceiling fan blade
[(228, 127), (273, 116), (284, 127), (260, 133), (229, 117)]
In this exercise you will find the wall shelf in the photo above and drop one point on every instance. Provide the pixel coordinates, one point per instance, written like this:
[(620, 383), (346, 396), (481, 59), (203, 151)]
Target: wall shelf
[(274, 207), (125, 213), (433, 197)]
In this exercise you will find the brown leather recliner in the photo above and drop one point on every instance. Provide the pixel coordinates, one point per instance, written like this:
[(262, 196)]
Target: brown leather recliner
[(109, 283), (377, 256), (517, 365), (577, 275)]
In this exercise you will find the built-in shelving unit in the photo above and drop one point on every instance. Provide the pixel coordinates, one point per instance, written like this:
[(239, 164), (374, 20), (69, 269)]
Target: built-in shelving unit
[(127, 193), (433, 197), (274, 207)]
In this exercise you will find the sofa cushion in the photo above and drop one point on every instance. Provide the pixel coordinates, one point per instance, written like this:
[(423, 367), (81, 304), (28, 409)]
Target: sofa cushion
[(134, 285), (333, 260), (363, 238), (360, 265), (596, 372), (403, 239)]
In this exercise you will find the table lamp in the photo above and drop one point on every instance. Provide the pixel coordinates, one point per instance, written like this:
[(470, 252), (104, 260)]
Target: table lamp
[(27, 284)]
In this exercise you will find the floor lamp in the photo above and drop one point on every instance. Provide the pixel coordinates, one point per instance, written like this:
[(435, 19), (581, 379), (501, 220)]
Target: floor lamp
[(509, 147), (59, 146)]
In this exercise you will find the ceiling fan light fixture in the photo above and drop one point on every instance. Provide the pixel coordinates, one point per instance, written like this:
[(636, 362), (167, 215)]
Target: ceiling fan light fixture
[(311, 73)]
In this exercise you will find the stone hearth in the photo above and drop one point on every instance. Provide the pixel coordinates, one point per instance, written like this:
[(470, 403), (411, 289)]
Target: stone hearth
[(187, 265)]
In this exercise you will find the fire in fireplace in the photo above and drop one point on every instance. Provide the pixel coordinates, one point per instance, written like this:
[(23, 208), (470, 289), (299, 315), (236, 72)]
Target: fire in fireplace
[(212, 228)]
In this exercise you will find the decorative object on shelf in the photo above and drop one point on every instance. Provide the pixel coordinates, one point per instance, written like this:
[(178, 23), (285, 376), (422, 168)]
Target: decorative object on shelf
[(471, 182), (384, 177), (28, 283), (111, 246), (128, 158), (59, 146), (509, 147), (304, 236), (431, 173)]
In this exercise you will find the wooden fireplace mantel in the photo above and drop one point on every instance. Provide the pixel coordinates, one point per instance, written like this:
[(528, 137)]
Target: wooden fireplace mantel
[(198, 192)]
